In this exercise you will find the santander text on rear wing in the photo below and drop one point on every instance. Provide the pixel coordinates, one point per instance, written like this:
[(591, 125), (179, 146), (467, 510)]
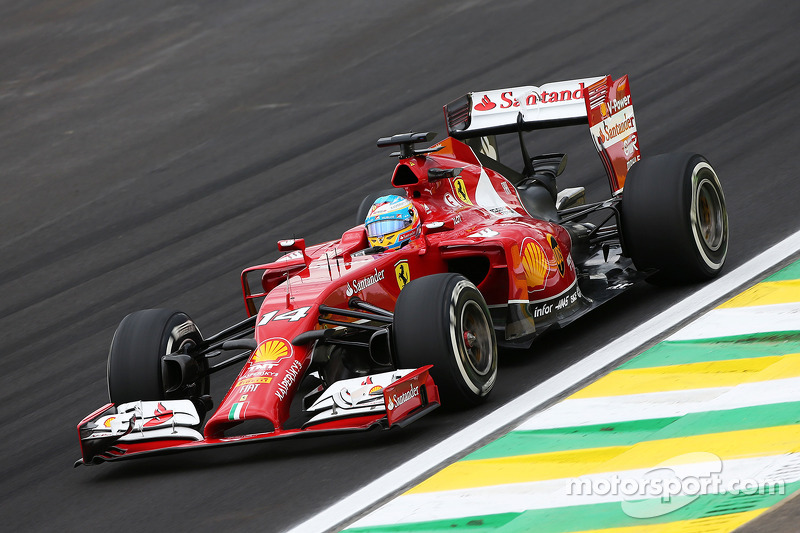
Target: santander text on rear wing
[(610, 115), (605, 105)]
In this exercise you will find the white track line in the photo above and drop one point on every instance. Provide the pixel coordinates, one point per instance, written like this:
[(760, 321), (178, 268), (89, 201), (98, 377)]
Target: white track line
[(353, 506)]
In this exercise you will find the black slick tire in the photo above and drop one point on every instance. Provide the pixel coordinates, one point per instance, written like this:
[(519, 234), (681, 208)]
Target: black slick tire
[(443, 320), (674, 218)]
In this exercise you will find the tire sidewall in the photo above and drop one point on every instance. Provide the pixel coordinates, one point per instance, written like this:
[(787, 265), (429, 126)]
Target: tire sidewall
[(700, 172), (474, 382)]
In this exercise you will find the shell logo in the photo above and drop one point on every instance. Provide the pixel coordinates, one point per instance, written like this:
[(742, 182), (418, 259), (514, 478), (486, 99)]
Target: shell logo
[(376, 390), (272, 350), (603, 110), (535, 264)]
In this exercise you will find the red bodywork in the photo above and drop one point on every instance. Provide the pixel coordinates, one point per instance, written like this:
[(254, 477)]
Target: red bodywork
[(517, 258)]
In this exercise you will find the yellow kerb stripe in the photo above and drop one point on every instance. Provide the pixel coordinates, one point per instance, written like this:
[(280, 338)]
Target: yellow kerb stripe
[(711, 524), (766, 293), (571, 464), (726, 373)]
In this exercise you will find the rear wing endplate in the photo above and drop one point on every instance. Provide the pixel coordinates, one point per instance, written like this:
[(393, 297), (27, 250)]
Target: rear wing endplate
[(612, 124)]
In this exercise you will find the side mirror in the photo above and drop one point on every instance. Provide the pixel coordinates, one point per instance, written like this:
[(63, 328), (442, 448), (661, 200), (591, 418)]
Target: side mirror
[(289, 245), (443, 173), (292, 244)]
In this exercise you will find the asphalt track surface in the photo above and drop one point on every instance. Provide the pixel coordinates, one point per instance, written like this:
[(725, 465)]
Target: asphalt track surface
[(149, 151)]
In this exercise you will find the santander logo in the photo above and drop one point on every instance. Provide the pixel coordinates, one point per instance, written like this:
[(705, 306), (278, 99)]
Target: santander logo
[(534, 96), (396, 401), (485, 104), (360, 285)]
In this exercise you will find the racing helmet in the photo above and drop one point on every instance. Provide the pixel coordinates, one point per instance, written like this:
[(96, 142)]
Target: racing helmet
[(391, 222)]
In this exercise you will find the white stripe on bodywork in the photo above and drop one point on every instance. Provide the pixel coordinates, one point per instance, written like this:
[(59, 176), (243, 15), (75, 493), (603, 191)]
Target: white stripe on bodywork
[(486, 196)]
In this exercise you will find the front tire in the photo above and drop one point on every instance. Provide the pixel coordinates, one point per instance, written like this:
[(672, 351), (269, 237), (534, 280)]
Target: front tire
[(135, 368), (674, 217), (443, 320)]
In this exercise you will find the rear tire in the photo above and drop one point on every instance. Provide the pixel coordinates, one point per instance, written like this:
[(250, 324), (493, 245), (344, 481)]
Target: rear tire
[(135, 369), (674, 218), (443, 320)]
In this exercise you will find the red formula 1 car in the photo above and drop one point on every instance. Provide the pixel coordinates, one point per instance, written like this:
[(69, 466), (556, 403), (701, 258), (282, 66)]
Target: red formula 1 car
[(407, 311)]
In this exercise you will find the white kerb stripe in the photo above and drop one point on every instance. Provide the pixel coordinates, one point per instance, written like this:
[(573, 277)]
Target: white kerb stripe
[(650, 405), (729, 322)]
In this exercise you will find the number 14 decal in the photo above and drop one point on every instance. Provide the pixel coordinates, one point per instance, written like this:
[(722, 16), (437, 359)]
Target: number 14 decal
[(291, 316)]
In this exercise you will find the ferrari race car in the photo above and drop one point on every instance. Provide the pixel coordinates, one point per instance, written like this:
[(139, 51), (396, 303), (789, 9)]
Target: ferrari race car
[(406, 311)]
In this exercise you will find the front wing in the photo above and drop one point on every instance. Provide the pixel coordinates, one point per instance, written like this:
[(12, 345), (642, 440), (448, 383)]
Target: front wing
[(146, 428)]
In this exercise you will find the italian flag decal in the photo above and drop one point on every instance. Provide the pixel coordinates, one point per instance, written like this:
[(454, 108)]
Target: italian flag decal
[(238, 411)]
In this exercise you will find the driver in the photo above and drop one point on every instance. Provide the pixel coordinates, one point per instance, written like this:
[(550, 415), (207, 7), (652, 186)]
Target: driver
[(391, 222)]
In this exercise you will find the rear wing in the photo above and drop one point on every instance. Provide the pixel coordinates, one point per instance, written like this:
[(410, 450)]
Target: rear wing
[(605, 105)]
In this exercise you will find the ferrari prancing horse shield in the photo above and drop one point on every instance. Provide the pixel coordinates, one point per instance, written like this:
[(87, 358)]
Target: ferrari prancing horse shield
[(461, 191), (402, 272)]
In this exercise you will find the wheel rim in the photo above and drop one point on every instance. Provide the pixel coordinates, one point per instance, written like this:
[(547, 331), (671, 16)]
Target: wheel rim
[(709, 215), (709, 218), (476, 339)]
